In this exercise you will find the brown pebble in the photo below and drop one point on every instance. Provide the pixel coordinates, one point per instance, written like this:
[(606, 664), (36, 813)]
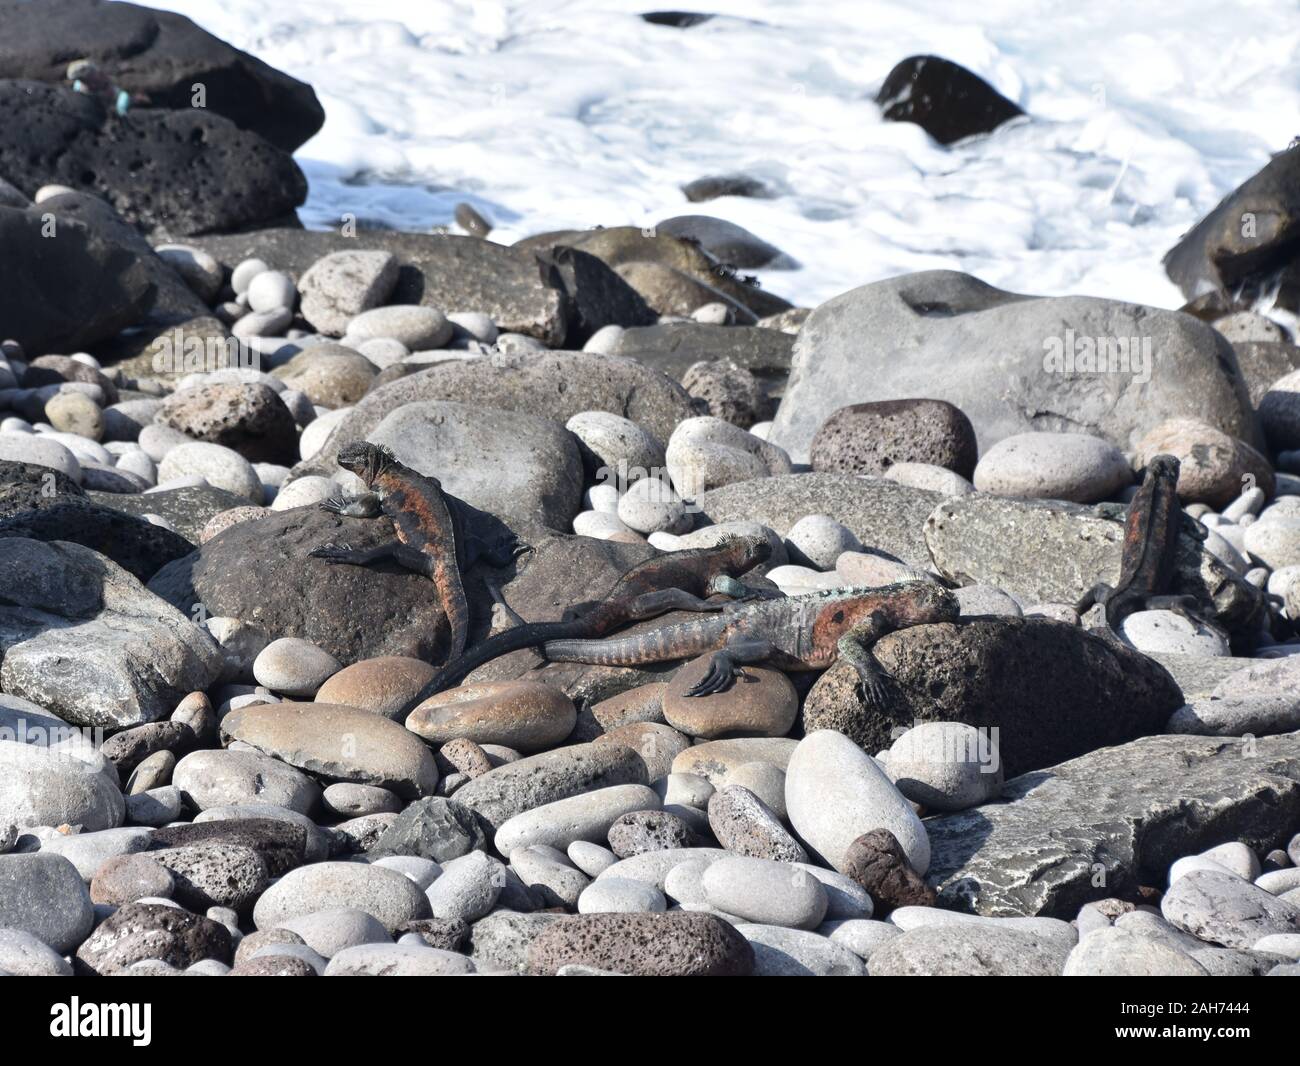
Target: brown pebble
[(877, 862)]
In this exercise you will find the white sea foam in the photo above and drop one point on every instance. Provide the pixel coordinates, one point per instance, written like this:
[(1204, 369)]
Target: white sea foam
[(552, 114)]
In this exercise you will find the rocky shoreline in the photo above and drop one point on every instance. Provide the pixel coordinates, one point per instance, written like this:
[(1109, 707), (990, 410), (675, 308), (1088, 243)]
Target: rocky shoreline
[(214, 755)]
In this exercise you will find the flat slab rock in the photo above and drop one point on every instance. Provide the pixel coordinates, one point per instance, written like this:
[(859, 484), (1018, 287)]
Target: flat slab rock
[(882, 514), (263, 574), (83, 638), (437, 270), (1053, 552), (1129, 811)]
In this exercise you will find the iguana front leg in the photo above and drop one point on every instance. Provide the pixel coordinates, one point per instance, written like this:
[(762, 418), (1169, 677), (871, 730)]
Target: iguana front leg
[(367, 505), (722, 667), (345, 553), (855, 648), (726, 585)]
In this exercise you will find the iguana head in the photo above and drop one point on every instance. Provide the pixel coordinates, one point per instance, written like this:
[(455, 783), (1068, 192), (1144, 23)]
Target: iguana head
[(1164, 467), (366, 460), (747, 552)]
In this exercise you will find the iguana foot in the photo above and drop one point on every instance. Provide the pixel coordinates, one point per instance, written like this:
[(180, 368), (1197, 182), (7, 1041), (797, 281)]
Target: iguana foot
[(366, 506), (873, 690), (335, 553), (719, 676)]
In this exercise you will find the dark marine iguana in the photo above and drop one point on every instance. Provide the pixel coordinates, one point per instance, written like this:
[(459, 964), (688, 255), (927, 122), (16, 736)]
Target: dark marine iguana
[(674, 581), (807, 632), (435, 533), (1150, 554)]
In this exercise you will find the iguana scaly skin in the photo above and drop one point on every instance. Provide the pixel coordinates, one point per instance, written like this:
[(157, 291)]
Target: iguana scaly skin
[(435, 533), (806, 632), (1150, 553), (675, 581)]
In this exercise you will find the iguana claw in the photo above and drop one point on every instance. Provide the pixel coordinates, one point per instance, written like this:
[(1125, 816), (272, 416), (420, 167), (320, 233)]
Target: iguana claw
[(332, 553), (873, 690), (720, 674), (336, 504)]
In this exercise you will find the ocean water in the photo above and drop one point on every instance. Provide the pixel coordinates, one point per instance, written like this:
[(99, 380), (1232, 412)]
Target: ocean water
[(550, 114)]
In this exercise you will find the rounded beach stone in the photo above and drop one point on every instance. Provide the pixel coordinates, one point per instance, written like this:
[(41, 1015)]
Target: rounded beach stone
[(307, 735), (214, 875), (872, 438), (75, 412), (657, 744), (271, 290), (590, 858), (220, 467), (616, 449), (706, 453), (746, 825), (651, 506), (419, 328), (675, 944), (327, 932), (648, 830), (588, 816), (463, 756), (762, 702), (293, 666), (44, 895), (835, 792), (385, 685), (1156, 632), (818, 540), (765, 781), (222, 778), (387, 895), (1212, 464), (876, 861), (338, 287), (783, 952), (23, 955), (155, 931), (127, 878), (525, 715), (1113, 952), (946, 766), (1053, 466), (715, 759), (930, 478), (468, 888), (397, 960), (760, 890), (618, 896)]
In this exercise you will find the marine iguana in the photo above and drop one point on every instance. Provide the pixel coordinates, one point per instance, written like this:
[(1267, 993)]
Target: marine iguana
[(435, 533), (794, 633), (675, 581), (1150, 553)]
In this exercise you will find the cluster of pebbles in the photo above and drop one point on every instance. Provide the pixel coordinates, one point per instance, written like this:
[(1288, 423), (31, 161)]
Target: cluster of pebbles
[(213, 755)]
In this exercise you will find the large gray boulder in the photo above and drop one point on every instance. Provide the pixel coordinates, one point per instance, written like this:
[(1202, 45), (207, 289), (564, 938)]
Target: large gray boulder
[(83, 638), (945, 335), (63, 289), (159, 55), (884, 515), (1246, 239), (1052, 552), (554, 385), (509, 463), (1104, 824), (170, 173), (1041, 690)]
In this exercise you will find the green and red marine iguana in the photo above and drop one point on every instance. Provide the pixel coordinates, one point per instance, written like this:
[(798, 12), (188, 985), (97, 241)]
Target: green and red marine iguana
[(806, 632), (1150, 553), (674, 581), (435, 533)]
